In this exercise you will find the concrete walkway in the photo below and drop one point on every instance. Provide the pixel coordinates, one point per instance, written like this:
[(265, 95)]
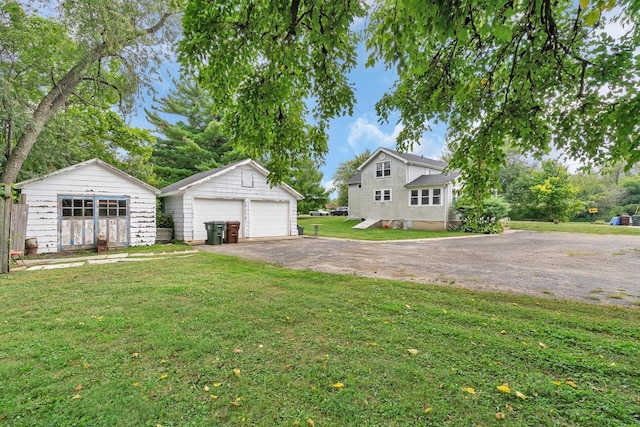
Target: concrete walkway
[(106, 258)]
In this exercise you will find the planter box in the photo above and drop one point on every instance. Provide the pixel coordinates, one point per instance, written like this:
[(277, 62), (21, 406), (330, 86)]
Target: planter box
[(164, 235)]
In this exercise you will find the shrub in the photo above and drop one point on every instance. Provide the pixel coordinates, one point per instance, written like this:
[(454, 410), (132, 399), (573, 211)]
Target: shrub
[(485, 219)]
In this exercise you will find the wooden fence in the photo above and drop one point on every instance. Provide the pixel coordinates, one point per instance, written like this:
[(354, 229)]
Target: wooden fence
[(15, 217)]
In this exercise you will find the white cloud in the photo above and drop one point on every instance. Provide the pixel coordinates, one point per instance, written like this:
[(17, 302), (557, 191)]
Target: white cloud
[(364, 134)]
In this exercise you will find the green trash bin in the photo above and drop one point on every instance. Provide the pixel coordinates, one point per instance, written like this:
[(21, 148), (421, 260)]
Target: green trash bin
[(635, 220), (215, 232)]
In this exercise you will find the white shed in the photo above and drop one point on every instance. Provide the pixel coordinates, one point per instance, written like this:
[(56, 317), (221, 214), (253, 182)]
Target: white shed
[(236, 192), (71, 208)]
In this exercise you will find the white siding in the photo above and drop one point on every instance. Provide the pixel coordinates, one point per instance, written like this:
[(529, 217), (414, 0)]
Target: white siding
[(90, 180), (173, 206)]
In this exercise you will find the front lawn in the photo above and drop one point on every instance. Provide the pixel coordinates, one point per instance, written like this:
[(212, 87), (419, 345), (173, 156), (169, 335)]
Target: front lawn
[(205, 339), (575, 227), (340, 227)]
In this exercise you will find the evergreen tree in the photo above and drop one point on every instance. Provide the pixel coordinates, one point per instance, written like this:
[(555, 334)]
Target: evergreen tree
[(306, 179), (192, 143)]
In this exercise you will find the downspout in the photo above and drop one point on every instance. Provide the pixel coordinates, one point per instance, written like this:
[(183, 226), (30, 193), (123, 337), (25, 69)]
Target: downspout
[(446, 210)]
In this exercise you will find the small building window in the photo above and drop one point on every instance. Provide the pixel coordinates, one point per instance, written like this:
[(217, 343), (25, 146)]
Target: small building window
[(112, 207), (79, 207), (386, 195), (383, 169), (247, 178)]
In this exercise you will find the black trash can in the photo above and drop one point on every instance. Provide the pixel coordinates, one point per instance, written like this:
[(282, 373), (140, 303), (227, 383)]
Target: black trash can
[(635, 220), (300, 230), (215, 232)]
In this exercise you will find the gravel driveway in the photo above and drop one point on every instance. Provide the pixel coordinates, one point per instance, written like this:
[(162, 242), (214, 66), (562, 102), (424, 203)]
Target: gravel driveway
[(591, 268)]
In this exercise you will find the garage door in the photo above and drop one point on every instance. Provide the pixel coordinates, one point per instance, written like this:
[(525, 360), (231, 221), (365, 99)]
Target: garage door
[(267, 219), (214, 210)]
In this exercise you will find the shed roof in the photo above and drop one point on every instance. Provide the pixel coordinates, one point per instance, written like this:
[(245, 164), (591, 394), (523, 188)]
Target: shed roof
[(199, 178), (94, 161)]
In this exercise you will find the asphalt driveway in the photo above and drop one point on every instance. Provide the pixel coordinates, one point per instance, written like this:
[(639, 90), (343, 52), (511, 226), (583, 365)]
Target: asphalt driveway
[(590, 268)]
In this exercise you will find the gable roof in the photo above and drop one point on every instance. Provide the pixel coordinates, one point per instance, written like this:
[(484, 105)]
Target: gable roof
[(94, 161), (406, 158), (199, 178), (355, 179), (434, 179)]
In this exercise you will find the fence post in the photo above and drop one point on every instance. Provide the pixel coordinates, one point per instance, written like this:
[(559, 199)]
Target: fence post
[(5, 222)]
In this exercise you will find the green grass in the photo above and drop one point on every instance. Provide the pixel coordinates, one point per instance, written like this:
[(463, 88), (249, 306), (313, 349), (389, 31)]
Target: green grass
[(146, 343), (340, 227), (575, 227)]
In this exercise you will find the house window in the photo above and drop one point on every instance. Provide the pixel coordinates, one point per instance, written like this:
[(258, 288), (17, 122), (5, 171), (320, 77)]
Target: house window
[(413, 201), (74, 208), (383, 169), (112, 207), (382, 196), (437, 198), (425, 197)]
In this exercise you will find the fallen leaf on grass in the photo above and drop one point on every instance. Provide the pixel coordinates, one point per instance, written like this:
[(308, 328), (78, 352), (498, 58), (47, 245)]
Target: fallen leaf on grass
[(236, 371), (508, 407), (79, 387), (217, 384), (237, 350), (427, 410), (213, 397), (134, 355), (310, 422), (541, 344), (556, 382), (504, 388), (338, 385), (499, 416), (520, 395), (413, 351), (164, 376), (206, 388), (77, 396), (572, 384), (469, 390)]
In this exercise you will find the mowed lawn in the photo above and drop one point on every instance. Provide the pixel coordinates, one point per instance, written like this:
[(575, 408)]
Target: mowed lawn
[(205, 339)]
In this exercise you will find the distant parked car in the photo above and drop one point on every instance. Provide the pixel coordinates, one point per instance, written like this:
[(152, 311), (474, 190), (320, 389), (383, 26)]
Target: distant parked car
[(340, 211), (319, 212)]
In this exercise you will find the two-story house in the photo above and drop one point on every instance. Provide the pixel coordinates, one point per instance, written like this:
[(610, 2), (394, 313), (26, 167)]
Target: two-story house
[(398, 190)]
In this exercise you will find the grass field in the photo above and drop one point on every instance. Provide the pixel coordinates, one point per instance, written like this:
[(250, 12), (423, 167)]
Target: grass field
[(205, 339), (340, 227), (575, 227)]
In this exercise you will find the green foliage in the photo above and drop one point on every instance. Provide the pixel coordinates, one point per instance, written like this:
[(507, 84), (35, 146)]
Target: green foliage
[(553, 193), (486, 218), (306, 179), (343, 173), (192, 140), (264, 62), (534, 74)]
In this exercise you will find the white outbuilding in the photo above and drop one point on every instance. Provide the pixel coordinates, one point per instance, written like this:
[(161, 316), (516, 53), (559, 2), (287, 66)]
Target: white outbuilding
[(74, 207), (237, 192)]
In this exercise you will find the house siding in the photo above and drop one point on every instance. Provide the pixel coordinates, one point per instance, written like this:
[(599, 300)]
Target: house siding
[(398, 212), (88, 180)]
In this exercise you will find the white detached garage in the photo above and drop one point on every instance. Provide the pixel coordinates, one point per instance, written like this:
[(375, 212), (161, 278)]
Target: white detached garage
[(71, 208), (237, 192)]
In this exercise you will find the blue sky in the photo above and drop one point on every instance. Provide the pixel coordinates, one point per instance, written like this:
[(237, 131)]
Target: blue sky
[(348, 135)]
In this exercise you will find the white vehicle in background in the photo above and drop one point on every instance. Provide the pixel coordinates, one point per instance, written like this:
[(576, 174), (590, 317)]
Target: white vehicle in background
[(319, 212)]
